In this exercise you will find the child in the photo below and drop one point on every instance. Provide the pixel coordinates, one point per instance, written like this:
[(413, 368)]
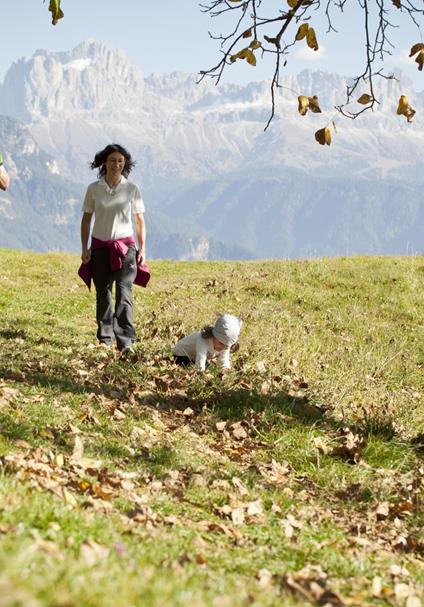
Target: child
[(211, 342)]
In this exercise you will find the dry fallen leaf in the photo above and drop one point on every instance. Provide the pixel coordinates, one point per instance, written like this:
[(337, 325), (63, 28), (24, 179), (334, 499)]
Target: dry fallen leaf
[(350, 448), (261, 366), (275, 473), (382, 511), (230, 532), (264, 577), (238, 431), (237, 516), (311, 583), (321, 445), (265, 387), (240, 486), (78, 451), (255, 511), (377, 587), (118, 414), (402, 591), (92, 553)]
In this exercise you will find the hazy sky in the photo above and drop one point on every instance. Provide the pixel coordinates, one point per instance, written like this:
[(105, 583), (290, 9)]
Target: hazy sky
[(172, 35)]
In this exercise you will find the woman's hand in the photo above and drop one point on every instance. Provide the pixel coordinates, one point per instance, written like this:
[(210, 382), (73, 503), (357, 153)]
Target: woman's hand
[(141, 237), (86, 256), (85, 232)]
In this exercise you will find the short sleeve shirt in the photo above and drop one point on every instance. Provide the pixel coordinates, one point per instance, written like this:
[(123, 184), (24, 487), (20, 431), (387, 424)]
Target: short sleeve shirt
[(113, 208)]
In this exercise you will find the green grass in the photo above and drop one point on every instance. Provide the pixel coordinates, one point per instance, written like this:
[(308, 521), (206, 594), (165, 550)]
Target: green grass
[(145, 518)]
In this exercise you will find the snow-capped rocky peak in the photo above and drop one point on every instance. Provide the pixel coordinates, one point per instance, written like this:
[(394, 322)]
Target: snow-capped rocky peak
[(90, 79)]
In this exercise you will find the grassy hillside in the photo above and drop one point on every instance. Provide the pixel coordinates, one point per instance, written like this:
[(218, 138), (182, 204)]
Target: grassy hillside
[(295, 480)]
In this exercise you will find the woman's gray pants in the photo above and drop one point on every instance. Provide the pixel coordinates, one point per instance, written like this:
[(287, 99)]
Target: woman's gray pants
[(116, 323)]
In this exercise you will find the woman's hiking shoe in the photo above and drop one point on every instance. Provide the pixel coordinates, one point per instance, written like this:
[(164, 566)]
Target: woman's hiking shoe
[(128, 352)]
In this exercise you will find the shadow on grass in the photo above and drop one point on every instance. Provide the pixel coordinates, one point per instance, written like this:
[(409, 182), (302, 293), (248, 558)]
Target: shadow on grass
[(232, 404), (235, 405), (13, 430), (13, 334), (62, 384)]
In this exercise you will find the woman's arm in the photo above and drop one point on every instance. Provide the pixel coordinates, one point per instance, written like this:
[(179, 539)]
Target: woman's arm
[(85, 233), (140, 226)]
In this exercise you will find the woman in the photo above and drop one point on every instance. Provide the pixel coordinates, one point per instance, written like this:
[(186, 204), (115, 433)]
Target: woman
[(113, 253), (4, 177)]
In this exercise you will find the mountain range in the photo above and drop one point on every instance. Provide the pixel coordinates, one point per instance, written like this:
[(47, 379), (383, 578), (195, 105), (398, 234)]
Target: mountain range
[(214, 183)]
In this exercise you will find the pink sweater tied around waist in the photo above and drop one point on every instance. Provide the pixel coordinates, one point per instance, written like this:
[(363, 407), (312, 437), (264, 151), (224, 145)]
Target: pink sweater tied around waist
[(117, 251)]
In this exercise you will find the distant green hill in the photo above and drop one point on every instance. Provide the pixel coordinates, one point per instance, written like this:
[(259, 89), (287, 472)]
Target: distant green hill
[(297, 479)]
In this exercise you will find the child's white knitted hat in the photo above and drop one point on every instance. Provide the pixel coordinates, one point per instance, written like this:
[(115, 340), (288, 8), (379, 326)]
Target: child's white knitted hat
[(227, 329)]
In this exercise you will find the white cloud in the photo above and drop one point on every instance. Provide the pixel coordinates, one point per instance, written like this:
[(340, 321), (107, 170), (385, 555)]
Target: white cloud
[(401, 59), (306, 54)]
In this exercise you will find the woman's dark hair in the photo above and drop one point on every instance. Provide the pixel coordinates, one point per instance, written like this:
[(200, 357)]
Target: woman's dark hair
[(206, 332), (100, 158)]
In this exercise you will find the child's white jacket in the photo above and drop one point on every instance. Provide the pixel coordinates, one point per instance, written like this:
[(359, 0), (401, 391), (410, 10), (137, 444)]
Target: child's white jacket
[(201, 351)]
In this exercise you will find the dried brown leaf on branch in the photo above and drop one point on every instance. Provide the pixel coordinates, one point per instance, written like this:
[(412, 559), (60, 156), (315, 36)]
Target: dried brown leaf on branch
[(255, 44), (314, 105), (365, 99), (420, 60), (302, 31), (404, 108), (303, 105), (56, 11), (323, 136), (311, 39), (245, 53), (418, 48), (310, 103)]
